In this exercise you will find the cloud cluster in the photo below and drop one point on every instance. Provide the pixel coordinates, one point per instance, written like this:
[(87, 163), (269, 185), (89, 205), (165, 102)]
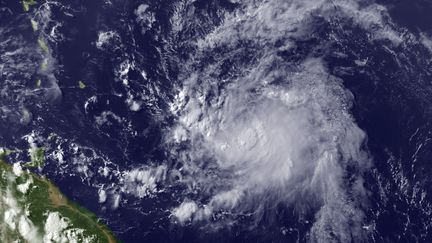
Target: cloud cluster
[(262, 131), (15, 222)]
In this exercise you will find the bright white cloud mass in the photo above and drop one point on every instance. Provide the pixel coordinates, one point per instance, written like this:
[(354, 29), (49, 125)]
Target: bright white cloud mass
[(274, 131)]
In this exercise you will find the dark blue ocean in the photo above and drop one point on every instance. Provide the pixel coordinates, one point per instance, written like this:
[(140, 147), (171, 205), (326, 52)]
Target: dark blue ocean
[(392, 104)]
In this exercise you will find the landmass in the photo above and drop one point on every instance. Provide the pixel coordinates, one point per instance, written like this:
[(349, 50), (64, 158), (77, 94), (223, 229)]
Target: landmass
[(32, 209)]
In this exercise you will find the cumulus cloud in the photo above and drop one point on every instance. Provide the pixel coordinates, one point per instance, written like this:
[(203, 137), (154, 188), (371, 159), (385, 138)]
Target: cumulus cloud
[(185, 211), (145, 17), (142, 182), (16, 223), (108, 39), (58, 229)]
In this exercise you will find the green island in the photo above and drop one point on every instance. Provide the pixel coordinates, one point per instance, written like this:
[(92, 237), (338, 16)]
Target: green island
[(81, 85), (37, 158), (34, 24), (43, 45), (27, 4), (32, 209)]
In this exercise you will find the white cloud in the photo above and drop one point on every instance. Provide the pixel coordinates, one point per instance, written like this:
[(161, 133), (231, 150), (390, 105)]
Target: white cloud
[(58, 229), (102, 196), (185, 211), (15, 217), (54, 225), (145, 17), (272, 131), (142, 182), (23, 188), (17, 169), (107, 38), (28, 230)]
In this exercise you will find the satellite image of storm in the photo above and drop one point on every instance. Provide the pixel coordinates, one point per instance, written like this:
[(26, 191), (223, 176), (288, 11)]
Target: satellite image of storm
[(215, 121)]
